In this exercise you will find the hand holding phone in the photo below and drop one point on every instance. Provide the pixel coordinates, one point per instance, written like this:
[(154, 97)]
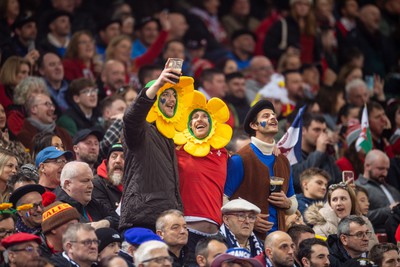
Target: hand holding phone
[(348, 177)]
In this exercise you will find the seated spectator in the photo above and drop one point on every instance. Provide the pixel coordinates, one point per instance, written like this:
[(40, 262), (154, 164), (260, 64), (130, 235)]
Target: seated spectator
[(84, 112), (50, 161), (22, 92), (196, 48), (134, 237), (40, 110), (171, 227), (239, 17), (56, 217), (52, 71), (314, 183), (226, 65), (112, 108), (108, 181), (107, 30), (13, 71), (7, 224), (208, 248), (383, 197), (313, 252), (260, 70), (148, 73), (236, 97), (330, 110), (357, 93), (22, 248), (43, 140), (237, 256), (110, 242), (80, 246), (112, 261), (79, 58), (347, 73), (341, 202), (385, 255), (7, 142), (76, 190), (239, 217), (28, 202), (243, 43), (153, 251), (8, 167), (298, 233), (86, 146), (58, 32), (352, 240), (363, 200), (112, 78), (27, 174)]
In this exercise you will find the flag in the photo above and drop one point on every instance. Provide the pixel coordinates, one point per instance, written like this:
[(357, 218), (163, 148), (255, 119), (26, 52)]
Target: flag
[(364, 141), (290, 143)]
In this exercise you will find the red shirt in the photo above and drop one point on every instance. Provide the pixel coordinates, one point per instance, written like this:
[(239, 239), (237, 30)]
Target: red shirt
[(202, 181)]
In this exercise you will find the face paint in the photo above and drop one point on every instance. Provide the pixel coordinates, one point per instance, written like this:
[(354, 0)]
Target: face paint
[(163, 100), (263, 124)]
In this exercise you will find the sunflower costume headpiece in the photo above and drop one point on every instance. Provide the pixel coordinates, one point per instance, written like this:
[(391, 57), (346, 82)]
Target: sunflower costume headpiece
[(6, 208), (184, 94), (219, 134)]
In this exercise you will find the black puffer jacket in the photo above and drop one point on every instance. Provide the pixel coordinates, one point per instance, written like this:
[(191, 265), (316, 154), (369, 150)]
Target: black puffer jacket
[(151, 181)]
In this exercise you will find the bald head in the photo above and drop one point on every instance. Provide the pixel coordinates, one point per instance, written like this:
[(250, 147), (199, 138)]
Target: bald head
[(370, 17), (113, 75), (376, 166), (279, 248), (262, 69)]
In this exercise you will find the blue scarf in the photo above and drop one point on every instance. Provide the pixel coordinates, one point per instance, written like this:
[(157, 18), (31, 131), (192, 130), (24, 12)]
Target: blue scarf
[(256, 246)]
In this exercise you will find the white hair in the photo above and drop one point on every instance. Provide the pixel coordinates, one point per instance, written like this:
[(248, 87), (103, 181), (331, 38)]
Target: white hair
[(72, 170), (144, 251), (356, 83)]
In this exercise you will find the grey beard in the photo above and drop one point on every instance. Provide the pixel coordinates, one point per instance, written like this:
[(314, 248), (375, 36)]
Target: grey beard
[(115, 179)]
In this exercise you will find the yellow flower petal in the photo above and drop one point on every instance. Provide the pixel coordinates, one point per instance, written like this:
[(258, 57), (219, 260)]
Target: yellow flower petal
[(25, 207), (197, 150), (166, 128), (4, 206), (222, 136), (179, 138), (219, 109), (152, 115), (199, 100)]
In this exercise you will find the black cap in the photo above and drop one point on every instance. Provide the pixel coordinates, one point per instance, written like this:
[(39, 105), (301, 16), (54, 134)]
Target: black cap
[(241, 32), (82, 134), (107, 22), (56, 14), (115, 147), (143, 21), (23, 190), (22, 20), (107, 236), (260, 105), (195, 41)]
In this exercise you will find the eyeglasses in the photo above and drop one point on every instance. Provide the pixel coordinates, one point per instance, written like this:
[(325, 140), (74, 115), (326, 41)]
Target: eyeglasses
[(88, 242), (57, 161), (89, 91), (47, 104), (360, 235), (5, 232), (242, 217), (342, 185), (160, 260), (29, 249)]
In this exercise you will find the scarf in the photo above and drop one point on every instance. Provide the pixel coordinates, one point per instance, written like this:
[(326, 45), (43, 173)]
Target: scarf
[(256, 247), (21, 227), (211, 22), (41, 127)]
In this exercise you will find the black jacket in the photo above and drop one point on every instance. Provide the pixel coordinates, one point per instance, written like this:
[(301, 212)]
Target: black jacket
[(96, 211), (337, 253)]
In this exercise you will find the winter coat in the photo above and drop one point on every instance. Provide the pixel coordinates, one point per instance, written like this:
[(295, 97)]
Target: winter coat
[(325, 221), (104, 191), (151, 180)]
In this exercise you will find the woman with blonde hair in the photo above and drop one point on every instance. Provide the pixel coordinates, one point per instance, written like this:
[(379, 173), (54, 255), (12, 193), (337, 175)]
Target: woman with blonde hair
[(8, 167), (79, 59), (342, 201), (22, 92), (14, 70)]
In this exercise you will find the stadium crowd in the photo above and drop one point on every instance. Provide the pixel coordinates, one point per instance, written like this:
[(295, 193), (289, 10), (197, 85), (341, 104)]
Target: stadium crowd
[(276, 143)]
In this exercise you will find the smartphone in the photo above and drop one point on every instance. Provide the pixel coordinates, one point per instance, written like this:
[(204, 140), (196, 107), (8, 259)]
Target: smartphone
[(347, 175), (31, 45), (369, 80)]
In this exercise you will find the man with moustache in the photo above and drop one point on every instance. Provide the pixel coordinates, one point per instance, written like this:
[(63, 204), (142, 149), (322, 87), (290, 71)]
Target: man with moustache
[(108, 181), (249, 171), (86, 146), (351, 241), (382, 196), (28, 201), (171, 227), (76, 190)]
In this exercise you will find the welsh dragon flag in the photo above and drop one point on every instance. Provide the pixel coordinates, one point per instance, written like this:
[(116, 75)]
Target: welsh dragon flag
[(364, 141)]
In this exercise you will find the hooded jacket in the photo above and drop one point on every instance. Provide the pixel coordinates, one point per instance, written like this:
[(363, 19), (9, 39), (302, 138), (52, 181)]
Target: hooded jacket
[(104, 191), (325, 221)]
